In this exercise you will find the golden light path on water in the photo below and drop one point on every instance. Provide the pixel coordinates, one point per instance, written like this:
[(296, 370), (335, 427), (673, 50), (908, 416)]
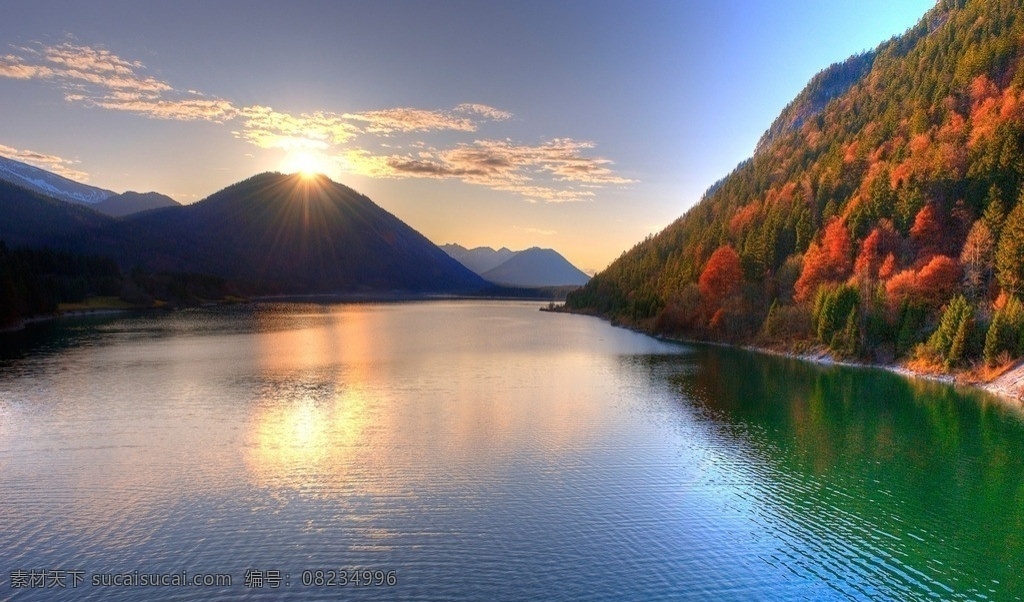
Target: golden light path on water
[(326, 409)]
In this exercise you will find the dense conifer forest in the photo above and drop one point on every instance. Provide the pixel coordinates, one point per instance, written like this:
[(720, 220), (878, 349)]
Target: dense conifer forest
[(881, 216)]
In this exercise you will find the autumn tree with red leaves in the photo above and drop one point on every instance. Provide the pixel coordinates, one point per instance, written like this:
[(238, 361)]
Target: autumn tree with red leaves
[(721, 276), (931, 286), (927, 233), (938, 280), (828, 262), (881, 244)]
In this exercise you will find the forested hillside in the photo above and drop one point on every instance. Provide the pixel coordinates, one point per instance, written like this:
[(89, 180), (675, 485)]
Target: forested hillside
[(881, 214)]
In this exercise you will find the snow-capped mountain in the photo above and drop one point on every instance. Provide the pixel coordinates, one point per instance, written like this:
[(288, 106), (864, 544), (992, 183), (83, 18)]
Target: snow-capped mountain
[(50, 184)]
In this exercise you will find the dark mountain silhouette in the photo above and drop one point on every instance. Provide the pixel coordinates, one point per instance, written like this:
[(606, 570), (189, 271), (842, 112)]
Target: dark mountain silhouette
[(298, 234), (50, 184), (479, 259), (131, 202), (536, 267), (30, 219)]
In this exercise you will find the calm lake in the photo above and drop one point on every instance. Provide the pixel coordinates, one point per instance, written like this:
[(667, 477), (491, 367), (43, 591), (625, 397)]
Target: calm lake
[(467, 450)]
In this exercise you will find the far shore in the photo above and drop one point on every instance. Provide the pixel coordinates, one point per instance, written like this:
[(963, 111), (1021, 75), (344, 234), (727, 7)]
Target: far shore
[(109, 305), (73, 313)]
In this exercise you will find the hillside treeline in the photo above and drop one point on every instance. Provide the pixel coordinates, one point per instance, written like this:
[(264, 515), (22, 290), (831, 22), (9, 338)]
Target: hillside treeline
[(884, 222), (34, 282)]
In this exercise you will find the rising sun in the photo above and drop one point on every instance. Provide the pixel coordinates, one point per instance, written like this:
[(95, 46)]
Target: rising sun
[(308, 164)]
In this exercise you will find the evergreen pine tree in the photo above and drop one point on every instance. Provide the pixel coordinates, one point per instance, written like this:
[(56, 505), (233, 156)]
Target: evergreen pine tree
[(1010, 252), (995, 211)]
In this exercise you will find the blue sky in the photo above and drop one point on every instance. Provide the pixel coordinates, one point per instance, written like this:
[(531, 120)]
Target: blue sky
[(582, 126)]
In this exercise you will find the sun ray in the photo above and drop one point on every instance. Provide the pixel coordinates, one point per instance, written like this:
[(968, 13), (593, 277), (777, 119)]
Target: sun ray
[(308, 163)]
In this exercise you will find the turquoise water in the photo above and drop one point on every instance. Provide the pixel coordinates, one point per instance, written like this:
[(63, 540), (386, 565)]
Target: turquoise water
[(487, 451)]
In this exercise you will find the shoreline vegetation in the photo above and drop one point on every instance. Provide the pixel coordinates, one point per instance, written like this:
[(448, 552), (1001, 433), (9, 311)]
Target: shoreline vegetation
[(1005, 381), (38, 284)]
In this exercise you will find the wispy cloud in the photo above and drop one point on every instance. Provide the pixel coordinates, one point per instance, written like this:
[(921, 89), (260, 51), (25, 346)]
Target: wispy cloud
[(388, 121), (484, 111), (97, 66), (14, 67), (267, 128), (555, 171), (186, 109), (97, 77), (58, 165)]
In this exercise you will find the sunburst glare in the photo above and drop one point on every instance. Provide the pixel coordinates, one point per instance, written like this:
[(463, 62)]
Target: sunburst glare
[(309, 164)]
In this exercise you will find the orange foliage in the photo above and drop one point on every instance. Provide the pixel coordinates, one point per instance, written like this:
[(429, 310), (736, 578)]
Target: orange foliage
[(920, 143), (742, 218), (982, 89), (984, 119), (837, 247), (953, 130), (1010, 108), (875, 170), (880, 153), (950, 160), (888, 267), (717, 319), (900, 287), (812, 135), (938, 280), (877, 254), (1000, 301), (990, 112), (927, 232), (721, 276), (828, 262), (900, 174), (931, 286), (850, 152), (783, 195)]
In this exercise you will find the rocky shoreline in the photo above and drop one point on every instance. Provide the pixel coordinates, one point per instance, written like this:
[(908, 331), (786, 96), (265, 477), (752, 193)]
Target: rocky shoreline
[(1008, 385)]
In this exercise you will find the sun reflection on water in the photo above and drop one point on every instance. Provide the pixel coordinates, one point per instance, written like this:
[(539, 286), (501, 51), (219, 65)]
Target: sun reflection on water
[(312, 406), (367, 398)]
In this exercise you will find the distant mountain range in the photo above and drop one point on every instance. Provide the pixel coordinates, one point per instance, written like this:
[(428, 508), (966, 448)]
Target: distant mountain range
[(272, 233), (533, 267), (131, 202), (61, 188), (479, 259)]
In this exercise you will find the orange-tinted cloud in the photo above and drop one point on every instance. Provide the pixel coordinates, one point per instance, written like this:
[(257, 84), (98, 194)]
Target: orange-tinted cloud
[(556, 171), (97, 77), (404, 119), (267, 128), (559, 170)]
